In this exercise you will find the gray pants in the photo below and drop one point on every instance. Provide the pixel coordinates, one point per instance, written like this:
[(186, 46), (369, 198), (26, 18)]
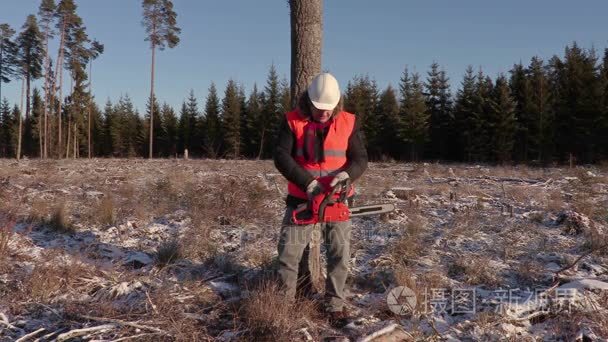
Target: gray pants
[(293, 257)]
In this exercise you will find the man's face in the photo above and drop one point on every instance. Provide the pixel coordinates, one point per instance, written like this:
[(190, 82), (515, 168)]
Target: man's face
[(320, 115)]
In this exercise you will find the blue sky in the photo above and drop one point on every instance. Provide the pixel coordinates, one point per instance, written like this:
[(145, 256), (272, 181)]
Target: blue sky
[(240, 39)]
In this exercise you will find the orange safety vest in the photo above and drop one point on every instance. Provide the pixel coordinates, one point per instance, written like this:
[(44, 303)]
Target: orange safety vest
[(334, 148)]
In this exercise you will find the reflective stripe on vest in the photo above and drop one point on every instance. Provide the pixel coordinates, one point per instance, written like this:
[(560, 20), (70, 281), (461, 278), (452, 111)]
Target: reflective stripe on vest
[(334, 148)]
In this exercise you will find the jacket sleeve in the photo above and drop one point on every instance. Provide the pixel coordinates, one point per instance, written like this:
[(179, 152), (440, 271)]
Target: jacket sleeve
[(283, 158), (356, 154)]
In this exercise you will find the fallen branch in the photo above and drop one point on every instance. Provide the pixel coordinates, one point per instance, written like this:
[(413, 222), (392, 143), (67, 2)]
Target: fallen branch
[(85, 331), (386, 330), (6, 323), (565, 268), (126, 338), (125, 323), (30, 335)]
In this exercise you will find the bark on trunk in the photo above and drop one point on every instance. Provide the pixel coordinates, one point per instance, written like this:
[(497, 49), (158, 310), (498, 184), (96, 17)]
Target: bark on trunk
[(152, 101), (306, 43), (59, 70), (20, 132)]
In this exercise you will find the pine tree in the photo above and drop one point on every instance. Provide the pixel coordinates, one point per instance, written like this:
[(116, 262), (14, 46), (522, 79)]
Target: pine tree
[(152, 109), (190, 137), (30, 55), (439, 103), (211, 125), (78, 53), (480, 119), (271, 114), (95, 50), (503, 123), (253, 123), (46, 15), (160, 22), (388, 111), (230, 118), (521, 91), (243, 123), (361, 99), (32, 142), (463, 117), (108, 118), (414, 114), (97, 131), (7, 129), (14, 131), (169, 129), (66, 20), (577, 101), (285, 102), (538, 104), (8, 55)]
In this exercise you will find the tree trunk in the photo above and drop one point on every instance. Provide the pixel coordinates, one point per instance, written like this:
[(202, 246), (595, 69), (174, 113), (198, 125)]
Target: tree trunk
[(152, 101), (74, 155), (1, 51), (40, 138), (306, 43), (47, 62), (90, 100), (59, 70), (20, 121), (27, 93), (67, 145), (261, 143)]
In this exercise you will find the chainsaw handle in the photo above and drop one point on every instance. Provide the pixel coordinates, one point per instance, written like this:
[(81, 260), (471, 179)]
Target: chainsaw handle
[(303, 215)]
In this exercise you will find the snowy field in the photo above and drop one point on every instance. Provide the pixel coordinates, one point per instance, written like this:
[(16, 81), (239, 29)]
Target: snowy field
[(184, 250)]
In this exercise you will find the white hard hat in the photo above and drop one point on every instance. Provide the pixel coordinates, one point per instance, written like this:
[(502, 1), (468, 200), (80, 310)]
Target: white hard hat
[(324, 91)]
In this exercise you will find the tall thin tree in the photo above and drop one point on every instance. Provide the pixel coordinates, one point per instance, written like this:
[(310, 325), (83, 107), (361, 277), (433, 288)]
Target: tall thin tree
[(160, 22), (66, 16), (46, 14), (95, 50)]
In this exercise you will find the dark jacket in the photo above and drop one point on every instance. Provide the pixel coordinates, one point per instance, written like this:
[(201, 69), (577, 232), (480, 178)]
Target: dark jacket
[(293, 172)]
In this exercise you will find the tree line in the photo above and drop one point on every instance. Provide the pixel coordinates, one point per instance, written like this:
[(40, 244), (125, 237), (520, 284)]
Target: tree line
[(542, 112)]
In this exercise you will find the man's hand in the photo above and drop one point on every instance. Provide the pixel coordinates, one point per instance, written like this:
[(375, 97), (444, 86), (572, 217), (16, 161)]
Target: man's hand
[(339, 178), (314, 188)]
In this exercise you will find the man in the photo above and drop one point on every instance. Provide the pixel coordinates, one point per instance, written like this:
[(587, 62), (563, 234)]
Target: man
[(318, 147)]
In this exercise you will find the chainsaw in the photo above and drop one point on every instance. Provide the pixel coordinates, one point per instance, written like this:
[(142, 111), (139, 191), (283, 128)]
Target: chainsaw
[(331, 207)]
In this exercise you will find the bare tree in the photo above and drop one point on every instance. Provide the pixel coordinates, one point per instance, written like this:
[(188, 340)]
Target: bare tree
[(306, 43), (160, 22)]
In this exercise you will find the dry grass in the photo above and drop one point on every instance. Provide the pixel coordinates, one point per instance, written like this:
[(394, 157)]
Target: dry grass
[(6, 232), (268, 316), (474, 270), (410, 245), (54, 277), (197, 244), (105, 211), (530, 272), (168, 252), (59, 220)]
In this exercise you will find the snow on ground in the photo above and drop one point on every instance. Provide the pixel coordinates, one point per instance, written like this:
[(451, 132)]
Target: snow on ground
[(173, 249)]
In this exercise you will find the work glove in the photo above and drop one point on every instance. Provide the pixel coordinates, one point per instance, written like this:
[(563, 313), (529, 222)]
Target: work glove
[(339, 178), (314, 188)]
